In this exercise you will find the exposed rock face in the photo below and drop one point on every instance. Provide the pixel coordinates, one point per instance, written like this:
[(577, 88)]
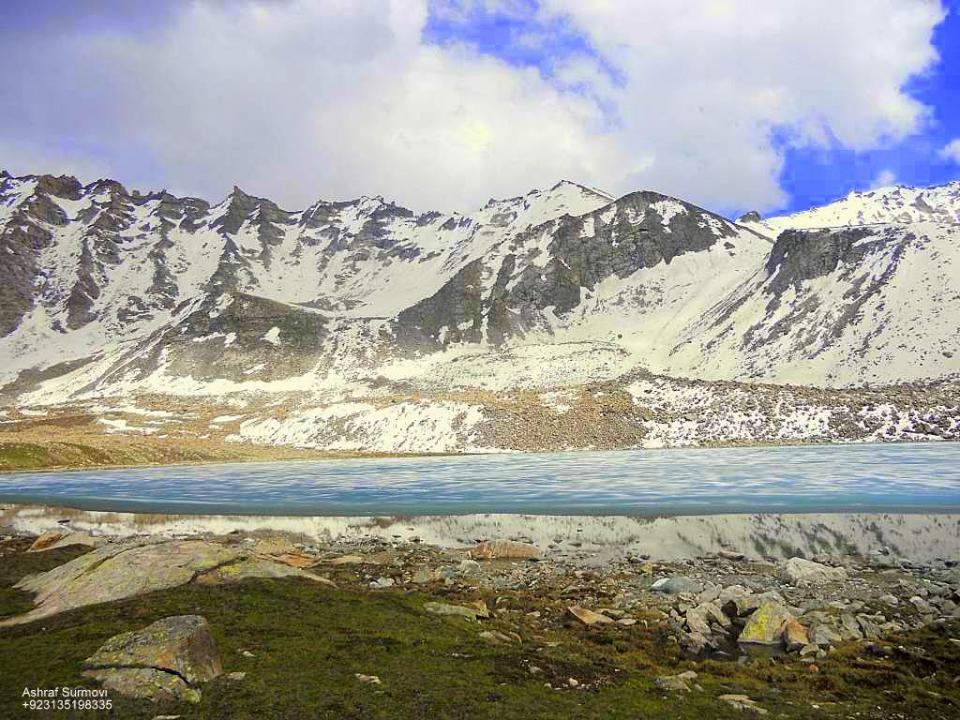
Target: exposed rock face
[(118, 571), (167, 659), (121, 570), (799, 571)]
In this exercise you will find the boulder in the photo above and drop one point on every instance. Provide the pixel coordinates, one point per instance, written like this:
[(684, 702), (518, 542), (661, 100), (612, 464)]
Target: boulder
[(766, 625), (117, 571), (700, 618), (743, 605), (824, 635), (503, 550), (181, 648), (795, 636), (798, 571), (850, 628), (693, 643), (589, 617)]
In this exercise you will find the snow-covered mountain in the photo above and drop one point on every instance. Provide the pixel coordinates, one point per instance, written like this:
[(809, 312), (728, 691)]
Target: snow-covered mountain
[(894, 204), (350, 308)]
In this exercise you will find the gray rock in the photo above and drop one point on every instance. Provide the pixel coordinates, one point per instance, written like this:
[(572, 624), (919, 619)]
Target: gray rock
[(849, 627), (676, 585), (823, 635), (798, 571), (676, 683), (700, 618), (436, 608)]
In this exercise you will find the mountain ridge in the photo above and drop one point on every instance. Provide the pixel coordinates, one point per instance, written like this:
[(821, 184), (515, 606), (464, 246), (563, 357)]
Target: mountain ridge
[(328, 311)]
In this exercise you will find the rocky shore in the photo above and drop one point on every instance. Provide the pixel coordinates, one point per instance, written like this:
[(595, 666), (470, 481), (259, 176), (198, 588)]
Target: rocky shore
[(830, 635)]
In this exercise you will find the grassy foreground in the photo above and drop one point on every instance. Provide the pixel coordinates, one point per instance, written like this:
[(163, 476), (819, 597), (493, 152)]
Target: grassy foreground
[(309, 641)]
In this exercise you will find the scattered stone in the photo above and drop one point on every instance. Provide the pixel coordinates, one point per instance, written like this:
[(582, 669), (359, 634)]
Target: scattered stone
[(481, 607), (424, 576), (676, 683), (494, 637), (347, 560), (676, 585), (235, 676), (799, 571), (382, 583), (437, 608), (469, 567), (743, 702), (589, 617), (730, 555), (503, 550), (368, 679)]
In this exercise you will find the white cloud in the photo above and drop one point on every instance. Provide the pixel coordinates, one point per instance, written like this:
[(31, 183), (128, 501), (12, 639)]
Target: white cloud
[(300, 99), (885, 178), (951, 151), (707, 81)]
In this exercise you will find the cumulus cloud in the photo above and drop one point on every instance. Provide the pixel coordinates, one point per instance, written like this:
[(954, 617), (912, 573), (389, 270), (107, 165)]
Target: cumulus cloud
[(715, 88), (951, 151), (297, 99)]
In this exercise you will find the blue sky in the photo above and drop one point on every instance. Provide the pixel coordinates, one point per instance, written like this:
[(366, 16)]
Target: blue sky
[(445, 103)]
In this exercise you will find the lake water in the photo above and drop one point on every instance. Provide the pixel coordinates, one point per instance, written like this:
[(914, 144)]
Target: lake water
[(902, 478)]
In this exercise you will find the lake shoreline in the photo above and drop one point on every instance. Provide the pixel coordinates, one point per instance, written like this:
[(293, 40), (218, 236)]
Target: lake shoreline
[(582, 540)]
